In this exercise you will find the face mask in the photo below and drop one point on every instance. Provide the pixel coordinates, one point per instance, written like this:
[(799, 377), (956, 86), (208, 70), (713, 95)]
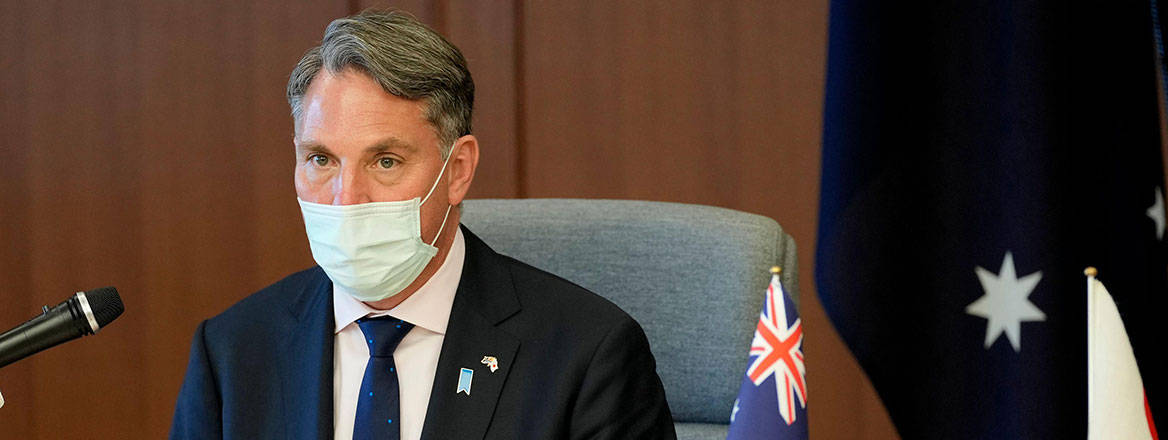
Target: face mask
[(371, 251)]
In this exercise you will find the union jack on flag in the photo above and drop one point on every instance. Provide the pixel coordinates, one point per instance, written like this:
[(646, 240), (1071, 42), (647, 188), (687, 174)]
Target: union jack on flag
[(772, 401)]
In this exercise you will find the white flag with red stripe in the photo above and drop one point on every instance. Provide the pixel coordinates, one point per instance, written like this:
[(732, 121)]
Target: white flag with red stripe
[(1116, 405)]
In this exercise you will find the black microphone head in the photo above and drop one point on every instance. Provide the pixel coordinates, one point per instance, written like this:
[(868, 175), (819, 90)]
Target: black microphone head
[(106, 305)]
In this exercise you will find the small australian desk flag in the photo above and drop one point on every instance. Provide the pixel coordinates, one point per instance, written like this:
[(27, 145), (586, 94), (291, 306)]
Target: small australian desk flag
[(772, 401)]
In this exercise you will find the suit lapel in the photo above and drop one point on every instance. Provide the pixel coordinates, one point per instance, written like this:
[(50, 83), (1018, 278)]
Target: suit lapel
[(306, 363), (484, 299)]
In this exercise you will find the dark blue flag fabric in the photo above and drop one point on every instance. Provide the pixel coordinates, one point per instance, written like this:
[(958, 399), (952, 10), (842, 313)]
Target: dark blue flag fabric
[(977, 157), (772, 401)]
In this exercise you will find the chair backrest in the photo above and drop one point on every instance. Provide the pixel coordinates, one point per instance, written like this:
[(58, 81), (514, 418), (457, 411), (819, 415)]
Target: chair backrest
[(693, 276)]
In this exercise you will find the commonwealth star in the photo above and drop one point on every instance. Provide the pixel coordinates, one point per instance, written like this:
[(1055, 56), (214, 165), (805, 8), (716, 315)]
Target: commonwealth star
[(1005, 305)]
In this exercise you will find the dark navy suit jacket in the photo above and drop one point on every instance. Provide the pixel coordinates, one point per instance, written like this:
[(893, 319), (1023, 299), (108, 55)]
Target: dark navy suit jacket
[(571, 364)]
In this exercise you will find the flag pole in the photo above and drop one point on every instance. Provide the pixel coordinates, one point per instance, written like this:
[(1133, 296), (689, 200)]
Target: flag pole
[(1090, 272)]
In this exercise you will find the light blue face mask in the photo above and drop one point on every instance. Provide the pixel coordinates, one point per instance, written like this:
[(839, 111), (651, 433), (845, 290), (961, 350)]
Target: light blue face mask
[(371, 251)]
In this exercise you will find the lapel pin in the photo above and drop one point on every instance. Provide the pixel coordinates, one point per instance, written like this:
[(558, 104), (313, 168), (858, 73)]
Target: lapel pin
[(490, 361), (464, 377)]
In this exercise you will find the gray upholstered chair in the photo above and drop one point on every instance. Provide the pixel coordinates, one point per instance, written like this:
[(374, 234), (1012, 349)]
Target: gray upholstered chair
[(693, 276)]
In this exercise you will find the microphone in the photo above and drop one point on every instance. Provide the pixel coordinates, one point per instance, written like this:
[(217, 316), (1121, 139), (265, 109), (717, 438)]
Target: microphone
[(82, 314)]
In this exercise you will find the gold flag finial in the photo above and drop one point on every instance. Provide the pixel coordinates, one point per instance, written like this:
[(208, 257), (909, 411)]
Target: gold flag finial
[(1090, 271), (776, 270)]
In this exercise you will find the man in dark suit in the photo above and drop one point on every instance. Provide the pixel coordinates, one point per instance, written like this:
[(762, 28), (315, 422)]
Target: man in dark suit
[(410, 327)]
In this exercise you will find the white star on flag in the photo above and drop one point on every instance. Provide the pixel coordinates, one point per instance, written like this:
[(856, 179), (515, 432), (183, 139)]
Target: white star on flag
[(1156, 213), (1005, 304)]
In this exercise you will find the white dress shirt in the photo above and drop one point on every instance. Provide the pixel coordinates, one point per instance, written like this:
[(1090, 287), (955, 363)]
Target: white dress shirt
[(416, 357)]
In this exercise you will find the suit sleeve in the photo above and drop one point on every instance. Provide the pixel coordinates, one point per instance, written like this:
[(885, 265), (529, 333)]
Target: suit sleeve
[(197, 414), (621, 396)]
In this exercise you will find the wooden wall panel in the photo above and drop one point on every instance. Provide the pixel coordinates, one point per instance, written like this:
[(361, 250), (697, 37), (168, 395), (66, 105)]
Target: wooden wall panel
[(15, 273), (431, 12), (485, 32), (155, 150), (715, 103), (78, 234)]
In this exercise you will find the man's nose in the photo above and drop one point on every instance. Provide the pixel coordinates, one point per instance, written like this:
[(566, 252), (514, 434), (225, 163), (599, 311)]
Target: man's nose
[(350, 188)]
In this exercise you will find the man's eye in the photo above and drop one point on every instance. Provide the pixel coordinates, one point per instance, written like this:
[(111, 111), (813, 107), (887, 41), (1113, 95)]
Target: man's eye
[(319, 160), (386, 162)]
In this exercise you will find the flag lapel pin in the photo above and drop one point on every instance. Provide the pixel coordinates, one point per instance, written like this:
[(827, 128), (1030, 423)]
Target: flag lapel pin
[(465, 375), (491, 362)]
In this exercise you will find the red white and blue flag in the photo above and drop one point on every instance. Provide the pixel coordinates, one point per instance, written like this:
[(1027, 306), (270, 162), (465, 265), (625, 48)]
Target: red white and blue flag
[(772, 401)]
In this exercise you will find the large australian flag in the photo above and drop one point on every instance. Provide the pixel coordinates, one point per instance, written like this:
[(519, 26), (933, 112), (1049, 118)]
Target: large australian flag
[(977, 157)]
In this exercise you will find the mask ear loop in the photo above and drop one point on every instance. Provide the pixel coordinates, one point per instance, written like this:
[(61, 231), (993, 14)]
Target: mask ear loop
[(435, 185), (441, 227)]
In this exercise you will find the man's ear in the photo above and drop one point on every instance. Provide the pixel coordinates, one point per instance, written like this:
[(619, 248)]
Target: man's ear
[(463, 162)]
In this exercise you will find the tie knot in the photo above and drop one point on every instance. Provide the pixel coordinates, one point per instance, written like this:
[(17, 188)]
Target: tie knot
[(383, 333)]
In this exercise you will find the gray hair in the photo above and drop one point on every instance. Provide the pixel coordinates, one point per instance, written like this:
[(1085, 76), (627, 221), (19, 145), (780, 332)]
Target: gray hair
[(408, 59)]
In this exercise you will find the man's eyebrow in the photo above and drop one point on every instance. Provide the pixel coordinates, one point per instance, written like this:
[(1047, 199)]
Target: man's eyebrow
[(312, 147), (388, 144), (391, 143)]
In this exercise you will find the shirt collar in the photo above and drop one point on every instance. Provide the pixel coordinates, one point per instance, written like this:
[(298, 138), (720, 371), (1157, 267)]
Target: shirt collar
[(428, 308)]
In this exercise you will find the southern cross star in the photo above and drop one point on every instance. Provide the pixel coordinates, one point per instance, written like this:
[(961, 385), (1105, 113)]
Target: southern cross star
[(1005, 304)]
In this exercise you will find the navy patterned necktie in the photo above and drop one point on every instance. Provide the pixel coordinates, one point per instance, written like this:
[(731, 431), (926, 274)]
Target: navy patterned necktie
[(378, 404)]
